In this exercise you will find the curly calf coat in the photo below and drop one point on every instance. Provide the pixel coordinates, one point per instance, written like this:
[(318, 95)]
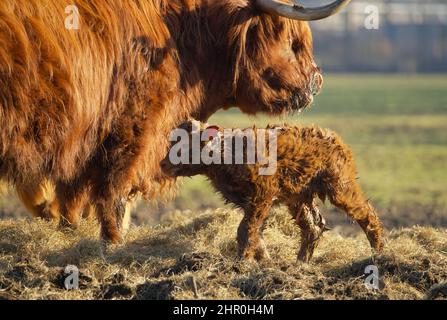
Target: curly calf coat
[(311, 163)]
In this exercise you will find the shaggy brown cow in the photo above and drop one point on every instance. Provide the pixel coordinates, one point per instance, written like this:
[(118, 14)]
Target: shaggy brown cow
[(90, 109), (311, 163)]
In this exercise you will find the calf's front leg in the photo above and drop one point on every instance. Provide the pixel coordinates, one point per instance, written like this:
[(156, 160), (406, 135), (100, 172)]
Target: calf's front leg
[(250, 241)]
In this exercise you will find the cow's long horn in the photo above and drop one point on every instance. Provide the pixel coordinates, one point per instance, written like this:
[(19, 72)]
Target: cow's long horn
[(298, 12)]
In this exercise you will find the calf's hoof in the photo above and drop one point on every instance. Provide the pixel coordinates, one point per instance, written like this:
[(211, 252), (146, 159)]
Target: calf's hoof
[(262, 256), (304, 257), (261, 252), (308, 246), (376, 241)]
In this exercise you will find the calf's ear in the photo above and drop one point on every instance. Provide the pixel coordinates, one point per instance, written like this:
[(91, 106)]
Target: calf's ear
[(211, 133)]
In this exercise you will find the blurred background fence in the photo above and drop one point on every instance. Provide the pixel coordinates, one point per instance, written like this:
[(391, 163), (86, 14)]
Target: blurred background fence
[(411, 37)]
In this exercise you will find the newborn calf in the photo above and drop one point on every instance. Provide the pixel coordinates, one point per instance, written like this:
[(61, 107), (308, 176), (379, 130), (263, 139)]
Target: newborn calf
[(311, 163)]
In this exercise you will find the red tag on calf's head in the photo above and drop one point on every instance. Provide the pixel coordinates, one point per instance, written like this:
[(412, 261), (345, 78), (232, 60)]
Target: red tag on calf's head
[(211, 132)]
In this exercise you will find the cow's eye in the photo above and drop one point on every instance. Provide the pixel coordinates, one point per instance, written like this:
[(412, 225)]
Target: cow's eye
[(297, 46)]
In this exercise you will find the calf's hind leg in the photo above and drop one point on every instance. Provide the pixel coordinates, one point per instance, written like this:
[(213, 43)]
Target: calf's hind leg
[(349, 198)]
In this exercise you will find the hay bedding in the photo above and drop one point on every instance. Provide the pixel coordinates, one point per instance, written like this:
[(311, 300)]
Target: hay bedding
[(194, 256)]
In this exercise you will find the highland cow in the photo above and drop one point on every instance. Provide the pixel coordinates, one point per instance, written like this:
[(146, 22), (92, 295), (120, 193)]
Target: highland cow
[(90, 109), (311, 163)]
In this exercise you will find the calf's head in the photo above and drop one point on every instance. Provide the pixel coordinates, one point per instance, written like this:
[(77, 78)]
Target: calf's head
[(188, 142)]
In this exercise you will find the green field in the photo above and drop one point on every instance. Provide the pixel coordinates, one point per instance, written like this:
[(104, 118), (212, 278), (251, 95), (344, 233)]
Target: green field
[(396, 125)]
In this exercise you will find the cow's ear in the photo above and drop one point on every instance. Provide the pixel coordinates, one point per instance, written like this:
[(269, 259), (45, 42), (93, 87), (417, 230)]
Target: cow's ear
[(211, 133)]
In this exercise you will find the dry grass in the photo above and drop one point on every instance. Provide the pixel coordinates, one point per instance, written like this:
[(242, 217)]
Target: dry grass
[(161, 262)]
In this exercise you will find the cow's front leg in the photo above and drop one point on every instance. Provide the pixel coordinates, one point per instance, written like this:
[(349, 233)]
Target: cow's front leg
[(111, 192), (111, 216), (72, 200)]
